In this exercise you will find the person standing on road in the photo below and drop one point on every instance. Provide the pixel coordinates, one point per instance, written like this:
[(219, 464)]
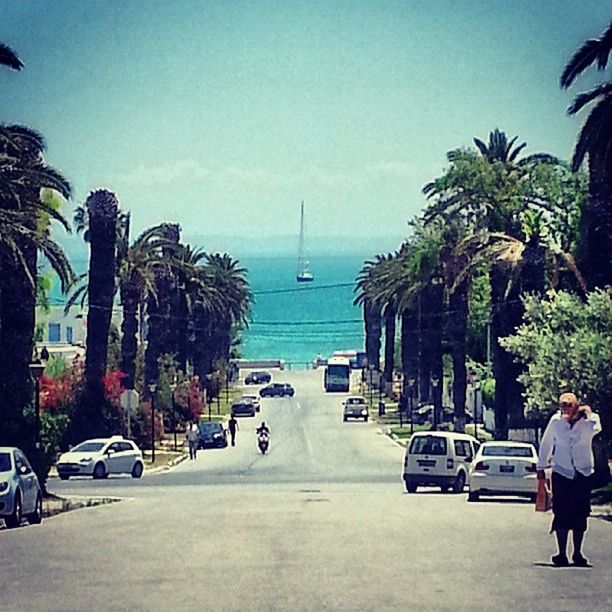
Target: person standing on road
[(191, 436), (232, 425), (567, 446)]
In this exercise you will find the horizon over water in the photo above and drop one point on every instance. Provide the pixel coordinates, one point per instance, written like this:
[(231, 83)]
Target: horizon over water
[(290, 320)]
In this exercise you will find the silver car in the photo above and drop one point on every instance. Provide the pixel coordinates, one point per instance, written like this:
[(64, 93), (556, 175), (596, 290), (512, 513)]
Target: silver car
[(20, 493)]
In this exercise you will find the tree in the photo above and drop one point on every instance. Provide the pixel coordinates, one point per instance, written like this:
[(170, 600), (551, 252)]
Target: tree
[(594, 142), (102, 208), (496, 194), (25, 229), (565, 344)]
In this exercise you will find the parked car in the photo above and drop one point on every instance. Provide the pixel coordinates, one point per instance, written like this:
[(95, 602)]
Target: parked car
[(241, 408), (424, 414), (253, 399), (504, 468), (101, 457), (439, 458), (355, 407), (211, 434), (277, 390), (20, 493), (258, 378)]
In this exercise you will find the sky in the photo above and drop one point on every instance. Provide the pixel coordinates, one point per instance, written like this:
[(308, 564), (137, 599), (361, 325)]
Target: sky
[(223, 116)]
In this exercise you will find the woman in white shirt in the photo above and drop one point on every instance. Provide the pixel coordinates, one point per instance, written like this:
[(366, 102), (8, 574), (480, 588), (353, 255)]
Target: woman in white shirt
[(567, 446)]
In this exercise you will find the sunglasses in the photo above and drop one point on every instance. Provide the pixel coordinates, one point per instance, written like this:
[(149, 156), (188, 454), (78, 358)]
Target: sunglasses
[(566, 404)]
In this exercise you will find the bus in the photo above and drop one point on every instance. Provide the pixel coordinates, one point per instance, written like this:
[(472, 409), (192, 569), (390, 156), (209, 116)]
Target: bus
[(337, 374)]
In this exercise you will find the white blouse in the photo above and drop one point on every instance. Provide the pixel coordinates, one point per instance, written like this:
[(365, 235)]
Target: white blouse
[(569, 447)]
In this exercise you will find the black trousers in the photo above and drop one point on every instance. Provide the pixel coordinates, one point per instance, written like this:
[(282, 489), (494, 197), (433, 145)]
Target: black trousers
[(571, 502)]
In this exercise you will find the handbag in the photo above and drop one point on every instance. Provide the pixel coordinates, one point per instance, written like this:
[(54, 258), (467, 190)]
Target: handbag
[(543, 497)]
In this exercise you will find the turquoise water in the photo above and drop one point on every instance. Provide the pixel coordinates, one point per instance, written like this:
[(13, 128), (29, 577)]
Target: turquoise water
[(295, 321), (292, 321)]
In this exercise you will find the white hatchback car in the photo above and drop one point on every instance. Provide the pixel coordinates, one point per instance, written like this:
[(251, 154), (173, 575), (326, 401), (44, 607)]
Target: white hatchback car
[(504, 468), (251, 398), (101, 457), (439, 458)]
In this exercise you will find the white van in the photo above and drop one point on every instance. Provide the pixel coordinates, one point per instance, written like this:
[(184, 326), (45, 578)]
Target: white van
[(439, 458)]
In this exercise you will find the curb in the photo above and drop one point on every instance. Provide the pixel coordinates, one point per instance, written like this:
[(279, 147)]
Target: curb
[(166, 468)]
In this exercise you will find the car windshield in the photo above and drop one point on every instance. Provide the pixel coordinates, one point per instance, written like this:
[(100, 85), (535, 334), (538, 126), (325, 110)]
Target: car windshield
[(5, 462), (88, 447), (507, 451), (428, 445), (206, 427), (355, 400)]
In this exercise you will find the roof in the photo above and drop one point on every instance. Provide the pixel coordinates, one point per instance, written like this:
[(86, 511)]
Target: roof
[(507, 443), (445, 434)]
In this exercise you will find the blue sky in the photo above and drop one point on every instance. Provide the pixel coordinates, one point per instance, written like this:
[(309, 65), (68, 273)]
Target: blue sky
[(223, 116)]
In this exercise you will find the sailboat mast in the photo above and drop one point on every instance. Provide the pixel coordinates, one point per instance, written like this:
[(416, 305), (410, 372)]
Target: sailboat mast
[(301, 240)]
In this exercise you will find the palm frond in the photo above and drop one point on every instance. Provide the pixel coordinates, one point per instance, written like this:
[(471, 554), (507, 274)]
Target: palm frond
[(583, 99), (595, 130), (594, 50), (9, 58)]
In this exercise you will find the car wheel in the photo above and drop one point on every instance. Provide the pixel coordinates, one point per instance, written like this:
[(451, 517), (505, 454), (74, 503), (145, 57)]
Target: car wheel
[(444, 489), (36, 517), (64, 476), (344, 419), (411, 486), (99, 471), (14, 520), (137, 470), (473, 496), (459, 483), (365, 419), (533, 498)]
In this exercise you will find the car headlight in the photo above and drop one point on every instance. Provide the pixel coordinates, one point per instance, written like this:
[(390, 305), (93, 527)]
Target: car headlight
[(217, 435), (4, 487), (85, 460), (364, 412)]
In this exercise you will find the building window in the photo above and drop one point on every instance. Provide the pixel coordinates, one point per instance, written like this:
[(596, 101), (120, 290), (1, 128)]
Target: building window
[(69, 334), (54, 332)]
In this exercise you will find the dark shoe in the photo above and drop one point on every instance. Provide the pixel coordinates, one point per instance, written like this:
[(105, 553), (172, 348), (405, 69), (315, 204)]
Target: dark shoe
[(559, 560), (580, 561)]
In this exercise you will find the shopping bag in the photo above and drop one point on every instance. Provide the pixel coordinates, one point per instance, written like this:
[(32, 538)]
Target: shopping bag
[(543, 497)]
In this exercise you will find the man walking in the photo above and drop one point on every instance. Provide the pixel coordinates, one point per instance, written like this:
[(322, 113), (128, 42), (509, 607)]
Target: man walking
[(191, 436), (232, 425)]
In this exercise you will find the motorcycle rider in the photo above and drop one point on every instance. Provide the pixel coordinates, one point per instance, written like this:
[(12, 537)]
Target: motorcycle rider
[(263, 429)]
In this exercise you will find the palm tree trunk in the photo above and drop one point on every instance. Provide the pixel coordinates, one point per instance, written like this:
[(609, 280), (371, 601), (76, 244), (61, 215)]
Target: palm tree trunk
[(390, 316), (373, 332), (102, 208), (507, 314), (17, 321), (409, 340), (432, 340), (457, 332), (595, 253), (130, 299)]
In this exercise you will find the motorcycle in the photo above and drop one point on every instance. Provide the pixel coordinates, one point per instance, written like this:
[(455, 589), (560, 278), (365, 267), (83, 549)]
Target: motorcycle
[(263, 441)]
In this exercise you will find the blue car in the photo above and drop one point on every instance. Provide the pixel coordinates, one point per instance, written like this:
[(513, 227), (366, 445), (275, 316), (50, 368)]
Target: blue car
[(20, 493), (211, 435)]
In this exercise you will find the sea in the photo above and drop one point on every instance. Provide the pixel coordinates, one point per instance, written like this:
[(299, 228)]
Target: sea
[(295, 321)]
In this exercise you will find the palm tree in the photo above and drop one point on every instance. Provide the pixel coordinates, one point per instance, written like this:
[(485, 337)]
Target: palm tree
[(102, 209), (160, 309), (24, 231), (594, 142), (366, 283), (136, 276), (9, 58), (492, 193)]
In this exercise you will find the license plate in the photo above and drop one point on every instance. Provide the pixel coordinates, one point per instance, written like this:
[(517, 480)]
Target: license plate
[(506, 469), (426, 463)]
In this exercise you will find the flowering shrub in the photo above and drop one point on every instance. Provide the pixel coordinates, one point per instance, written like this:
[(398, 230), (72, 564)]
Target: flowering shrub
[(60, 392), (113, 387)]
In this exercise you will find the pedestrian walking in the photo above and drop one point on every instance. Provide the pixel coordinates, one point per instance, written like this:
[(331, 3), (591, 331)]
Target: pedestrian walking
[(567, 446), (191, 436), (232, 425)]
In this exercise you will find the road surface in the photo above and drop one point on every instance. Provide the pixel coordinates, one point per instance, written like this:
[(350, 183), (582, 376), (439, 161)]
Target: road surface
[(321, 522)]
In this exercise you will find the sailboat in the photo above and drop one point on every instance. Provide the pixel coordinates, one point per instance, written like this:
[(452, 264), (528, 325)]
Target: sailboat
[(303, 273)]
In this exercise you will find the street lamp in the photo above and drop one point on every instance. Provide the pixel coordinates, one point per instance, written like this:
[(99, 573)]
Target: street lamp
[(152, 389), (435, 381), (371, 371), (173, 385)]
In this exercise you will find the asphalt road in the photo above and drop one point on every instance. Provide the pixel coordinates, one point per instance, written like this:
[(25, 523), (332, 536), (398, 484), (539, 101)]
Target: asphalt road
[(321, 522)]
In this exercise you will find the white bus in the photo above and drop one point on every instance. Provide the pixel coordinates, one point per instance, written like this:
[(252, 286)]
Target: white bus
[(337, 374)]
